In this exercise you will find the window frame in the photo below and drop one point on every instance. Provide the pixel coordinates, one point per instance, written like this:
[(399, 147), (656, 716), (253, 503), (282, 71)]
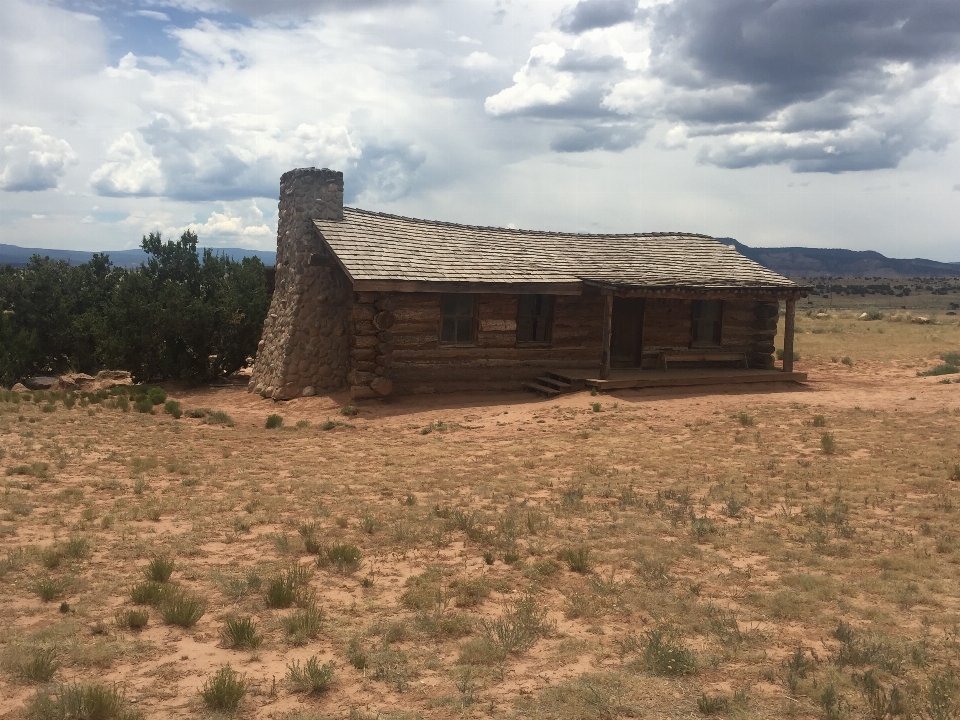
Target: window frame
[(548, 334), (474, 322), (716, 340)]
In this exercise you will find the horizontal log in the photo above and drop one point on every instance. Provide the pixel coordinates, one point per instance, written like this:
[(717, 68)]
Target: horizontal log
[(504, 357)]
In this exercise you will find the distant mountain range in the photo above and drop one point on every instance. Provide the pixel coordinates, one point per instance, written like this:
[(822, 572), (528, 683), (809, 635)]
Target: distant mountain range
[(789, 261), (20, 256), (821, 262)]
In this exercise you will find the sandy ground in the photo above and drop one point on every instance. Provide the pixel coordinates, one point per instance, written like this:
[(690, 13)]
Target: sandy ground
[(398, 461)]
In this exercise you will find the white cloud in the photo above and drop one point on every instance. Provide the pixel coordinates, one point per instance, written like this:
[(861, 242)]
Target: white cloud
[(128, 170), (238, 222), (479, 60), (32, 160), (539, 82), (153, 15)]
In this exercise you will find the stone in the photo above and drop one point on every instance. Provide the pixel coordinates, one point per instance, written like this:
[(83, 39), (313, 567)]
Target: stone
[(308, 391), (921, 320), (76, 381), (120, 377), (42, 382), (20, 388)]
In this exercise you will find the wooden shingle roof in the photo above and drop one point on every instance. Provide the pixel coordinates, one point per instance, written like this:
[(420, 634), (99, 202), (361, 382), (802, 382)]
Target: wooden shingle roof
[(389, 252)]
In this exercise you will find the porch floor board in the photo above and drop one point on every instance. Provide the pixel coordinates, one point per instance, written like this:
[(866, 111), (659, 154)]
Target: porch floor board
[(621, 378)]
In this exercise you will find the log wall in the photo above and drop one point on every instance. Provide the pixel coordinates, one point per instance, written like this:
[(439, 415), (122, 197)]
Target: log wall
[(395, 344), (406, 357)]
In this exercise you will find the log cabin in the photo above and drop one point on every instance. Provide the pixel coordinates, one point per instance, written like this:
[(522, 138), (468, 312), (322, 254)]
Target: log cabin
[(383, 305)]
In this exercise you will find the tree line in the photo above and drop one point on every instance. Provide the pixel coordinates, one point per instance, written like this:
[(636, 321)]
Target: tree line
[(180, 314)]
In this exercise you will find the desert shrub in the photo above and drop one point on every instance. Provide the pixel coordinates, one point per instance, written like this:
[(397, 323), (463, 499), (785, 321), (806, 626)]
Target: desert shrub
[(225, 690), (955, 475), (577, 559), (819, 421), (664, 654), (36, 469), (827, 443), (172, 407), (344, 557), (715, 705), (303, 625), (941, 369), (287, 587), (796, 354), (143, 406), (873, 313), (470, 592), (311, 677), (198, 412), (39, 666), (745, 419), (156, 396), (519, 627), (132, 619), (159, 569), (847, 361), (77, 701), (218, 417), (182, 608), (148, 593), (274, 421), (302, 424), (240, 633), (48, 588), (349, 410)]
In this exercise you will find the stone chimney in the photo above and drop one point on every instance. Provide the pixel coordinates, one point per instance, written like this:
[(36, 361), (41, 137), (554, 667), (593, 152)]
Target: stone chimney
[(306, 343)]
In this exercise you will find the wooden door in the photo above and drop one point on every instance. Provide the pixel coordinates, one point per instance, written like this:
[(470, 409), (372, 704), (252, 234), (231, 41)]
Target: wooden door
[(626, 332)]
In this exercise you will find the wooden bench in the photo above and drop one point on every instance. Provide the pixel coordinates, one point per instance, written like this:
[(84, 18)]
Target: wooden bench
[(700, 355)]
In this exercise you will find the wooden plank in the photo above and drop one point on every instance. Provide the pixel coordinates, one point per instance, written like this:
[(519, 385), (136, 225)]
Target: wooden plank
[(651, 381), (605, 336), (788, 329), (542, 288)]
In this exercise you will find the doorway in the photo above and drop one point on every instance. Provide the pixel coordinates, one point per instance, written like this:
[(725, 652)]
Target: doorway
[(626, 332)]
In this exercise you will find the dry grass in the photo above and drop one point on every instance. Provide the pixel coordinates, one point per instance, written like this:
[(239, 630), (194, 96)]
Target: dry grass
[(661, 558)]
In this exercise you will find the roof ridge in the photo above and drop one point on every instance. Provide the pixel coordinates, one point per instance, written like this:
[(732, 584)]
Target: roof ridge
[(552, 233)]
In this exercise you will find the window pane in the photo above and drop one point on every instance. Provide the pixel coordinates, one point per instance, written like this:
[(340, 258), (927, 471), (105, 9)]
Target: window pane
[(464, 330), (448, 330), (448, 307), (464, 305)]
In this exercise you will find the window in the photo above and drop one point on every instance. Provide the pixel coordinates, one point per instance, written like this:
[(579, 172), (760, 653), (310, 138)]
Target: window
[(707, 322), (457, 323), (533, 319)]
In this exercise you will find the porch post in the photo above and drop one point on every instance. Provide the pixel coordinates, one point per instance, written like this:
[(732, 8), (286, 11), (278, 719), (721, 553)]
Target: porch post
[(607, 324), (788, 323)]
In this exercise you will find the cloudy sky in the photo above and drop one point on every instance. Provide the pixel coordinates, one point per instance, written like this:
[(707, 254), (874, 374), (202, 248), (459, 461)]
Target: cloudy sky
[(831, 123)]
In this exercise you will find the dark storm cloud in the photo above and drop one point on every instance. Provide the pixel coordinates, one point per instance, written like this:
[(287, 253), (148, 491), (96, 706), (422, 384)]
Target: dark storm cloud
[(593, 14), (799, 49), (823, 86)]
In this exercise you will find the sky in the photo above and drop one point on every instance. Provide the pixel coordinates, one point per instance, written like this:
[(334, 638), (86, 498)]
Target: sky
[(819, 123)]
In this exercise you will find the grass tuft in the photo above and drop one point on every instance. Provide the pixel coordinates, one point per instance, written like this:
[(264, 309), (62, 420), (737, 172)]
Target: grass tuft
[(311, 677), (132, 619), (665, 655), (182, 608), (577, 559), (225, 690), (303, 625), (159, 570), (240, 633), (343, 556), (287, 587), (40, 667)]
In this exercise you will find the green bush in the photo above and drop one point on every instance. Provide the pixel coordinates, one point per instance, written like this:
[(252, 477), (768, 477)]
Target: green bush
[(311, 677), (182, 608), (172, 407), (160, 569), (225, 690), (182, 314), (143, 405), (157, 396), (665, 655), (76, 701), (274, 421), (240, 633)]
